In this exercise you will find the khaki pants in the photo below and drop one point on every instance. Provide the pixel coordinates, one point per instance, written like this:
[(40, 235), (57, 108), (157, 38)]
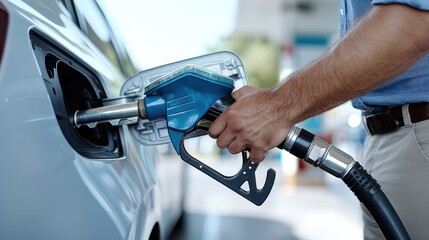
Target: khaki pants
[(399, 161)]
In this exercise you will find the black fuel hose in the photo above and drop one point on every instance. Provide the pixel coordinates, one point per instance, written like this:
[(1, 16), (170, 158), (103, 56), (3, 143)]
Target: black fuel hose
[(369, 192), (319, 153)]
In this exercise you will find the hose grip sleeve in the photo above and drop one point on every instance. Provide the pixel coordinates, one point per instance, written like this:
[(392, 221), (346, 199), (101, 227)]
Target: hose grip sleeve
[(298, 142), (369, 192)]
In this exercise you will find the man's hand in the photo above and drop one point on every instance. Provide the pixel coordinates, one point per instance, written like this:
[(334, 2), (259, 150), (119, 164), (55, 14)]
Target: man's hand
[(253, 122)]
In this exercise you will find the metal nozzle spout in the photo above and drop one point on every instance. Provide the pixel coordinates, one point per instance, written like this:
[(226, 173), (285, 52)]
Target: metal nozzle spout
[(119, 114)]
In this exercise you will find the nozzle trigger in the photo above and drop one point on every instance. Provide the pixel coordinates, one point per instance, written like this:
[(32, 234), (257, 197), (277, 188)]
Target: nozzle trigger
[(246, 174)]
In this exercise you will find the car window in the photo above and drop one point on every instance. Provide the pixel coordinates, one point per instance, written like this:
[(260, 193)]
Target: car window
[(89, 17), (68, 4), (94, 25), (128, 67)]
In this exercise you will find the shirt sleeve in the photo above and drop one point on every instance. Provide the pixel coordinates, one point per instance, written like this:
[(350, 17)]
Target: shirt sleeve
[(419, 4)]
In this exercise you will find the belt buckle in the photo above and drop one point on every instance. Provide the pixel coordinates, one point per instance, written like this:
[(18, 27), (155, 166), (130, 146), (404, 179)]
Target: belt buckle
[(380, 123)]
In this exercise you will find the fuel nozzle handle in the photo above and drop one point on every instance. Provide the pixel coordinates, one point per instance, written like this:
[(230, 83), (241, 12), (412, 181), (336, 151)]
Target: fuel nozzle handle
[(319, 153)]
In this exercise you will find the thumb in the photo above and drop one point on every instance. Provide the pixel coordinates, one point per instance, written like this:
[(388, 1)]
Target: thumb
[(244, 91)]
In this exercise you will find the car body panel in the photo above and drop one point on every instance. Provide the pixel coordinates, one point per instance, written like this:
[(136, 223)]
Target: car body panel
[(49, 191)]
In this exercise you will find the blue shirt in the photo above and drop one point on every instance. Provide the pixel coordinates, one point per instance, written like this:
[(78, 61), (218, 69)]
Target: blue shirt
[(412, 85)]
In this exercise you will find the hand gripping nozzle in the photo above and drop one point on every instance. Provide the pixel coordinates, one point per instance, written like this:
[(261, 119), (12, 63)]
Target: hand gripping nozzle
[(247, 172)]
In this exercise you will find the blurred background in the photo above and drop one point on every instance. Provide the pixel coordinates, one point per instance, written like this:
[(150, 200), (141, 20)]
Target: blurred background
[(273, 38)]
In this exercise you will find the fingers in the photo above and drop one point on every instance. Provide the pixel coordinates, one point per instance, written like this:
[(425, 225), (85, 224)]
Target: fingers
[(225, 141), (221, 122), (225, 137), (236, 94), (236, 147), (217, 127), (234, 129), (256, 155)]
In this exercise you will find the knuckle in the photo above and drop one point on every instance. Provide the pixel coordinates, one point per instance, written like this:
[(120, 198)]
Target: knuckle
[(245, 88), (234, 149), (218, 126), (224, 141), (228, 114), (235, 95), (211, 133), (236, 126), (257, 156), (220, 144)]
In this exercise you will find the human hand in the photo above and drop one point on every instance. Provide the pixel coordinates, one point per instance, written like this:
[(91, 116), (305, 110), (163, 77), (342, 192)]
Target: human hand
[(255, 121)]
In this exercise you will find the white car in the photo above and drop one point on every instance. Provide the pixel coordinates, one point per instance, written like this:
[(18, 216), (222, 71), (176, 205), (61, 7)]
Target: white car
[(62, 182)]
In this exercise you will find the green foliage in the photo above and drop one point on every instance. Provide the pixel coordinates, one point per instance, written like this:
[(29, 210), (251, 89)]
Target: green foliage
[(259, 55)]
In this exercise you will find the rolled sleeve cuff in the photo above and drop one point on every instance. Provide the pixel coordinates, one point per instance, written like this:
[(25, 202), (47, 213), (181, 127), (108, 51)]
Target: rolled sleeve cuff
[(419, 4)]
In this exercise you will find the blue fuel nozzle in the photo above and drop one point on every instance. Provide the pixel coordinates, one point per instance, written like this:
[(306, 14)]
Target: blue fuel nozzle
[(183, 97), (188, 97)]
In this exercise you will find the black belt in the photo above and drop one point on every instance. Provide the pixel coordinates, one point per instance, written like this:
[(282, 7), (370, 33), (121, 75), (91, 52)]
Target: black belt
[(392, 119)]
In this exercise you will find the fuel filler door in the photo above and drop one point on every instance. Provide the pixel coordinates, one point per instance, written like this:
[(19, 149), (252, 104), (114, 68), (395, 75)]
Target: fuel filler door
[(155, 132)]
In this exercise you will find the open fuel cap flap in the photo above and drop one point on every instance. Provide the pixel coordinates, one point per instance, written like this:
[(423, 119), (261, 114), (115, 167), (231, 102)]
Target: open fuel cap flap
[(155, 132)]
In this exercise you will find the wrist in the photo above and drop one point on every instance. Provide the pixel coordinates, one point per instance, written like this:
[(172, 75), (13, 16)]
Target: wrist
[(288, 101)]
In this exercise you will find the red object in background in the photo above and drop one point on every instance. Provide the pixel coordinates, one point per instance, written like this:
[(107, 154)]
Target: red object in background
[(4, 19), (301, 165)]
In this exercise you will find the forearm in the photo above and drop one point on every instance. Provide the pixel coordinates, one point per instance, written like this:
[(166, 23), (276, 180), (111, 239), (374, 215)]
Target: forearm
[(387, 41)]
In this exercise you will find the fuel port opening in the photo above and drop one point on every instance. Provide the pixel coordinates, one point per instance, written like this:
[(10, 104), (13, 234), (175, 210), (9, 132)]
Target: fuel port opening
[(72, 85), (70, 90)]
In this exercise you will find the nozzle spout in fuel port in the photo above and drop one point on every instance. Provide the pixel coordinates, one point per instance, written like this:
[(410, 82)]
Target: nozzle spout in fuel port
[(119, 114)]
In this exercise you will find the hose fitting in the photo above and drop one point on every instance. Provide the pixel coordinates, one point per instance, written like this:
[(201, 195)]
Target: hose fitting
[(318, 152)]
